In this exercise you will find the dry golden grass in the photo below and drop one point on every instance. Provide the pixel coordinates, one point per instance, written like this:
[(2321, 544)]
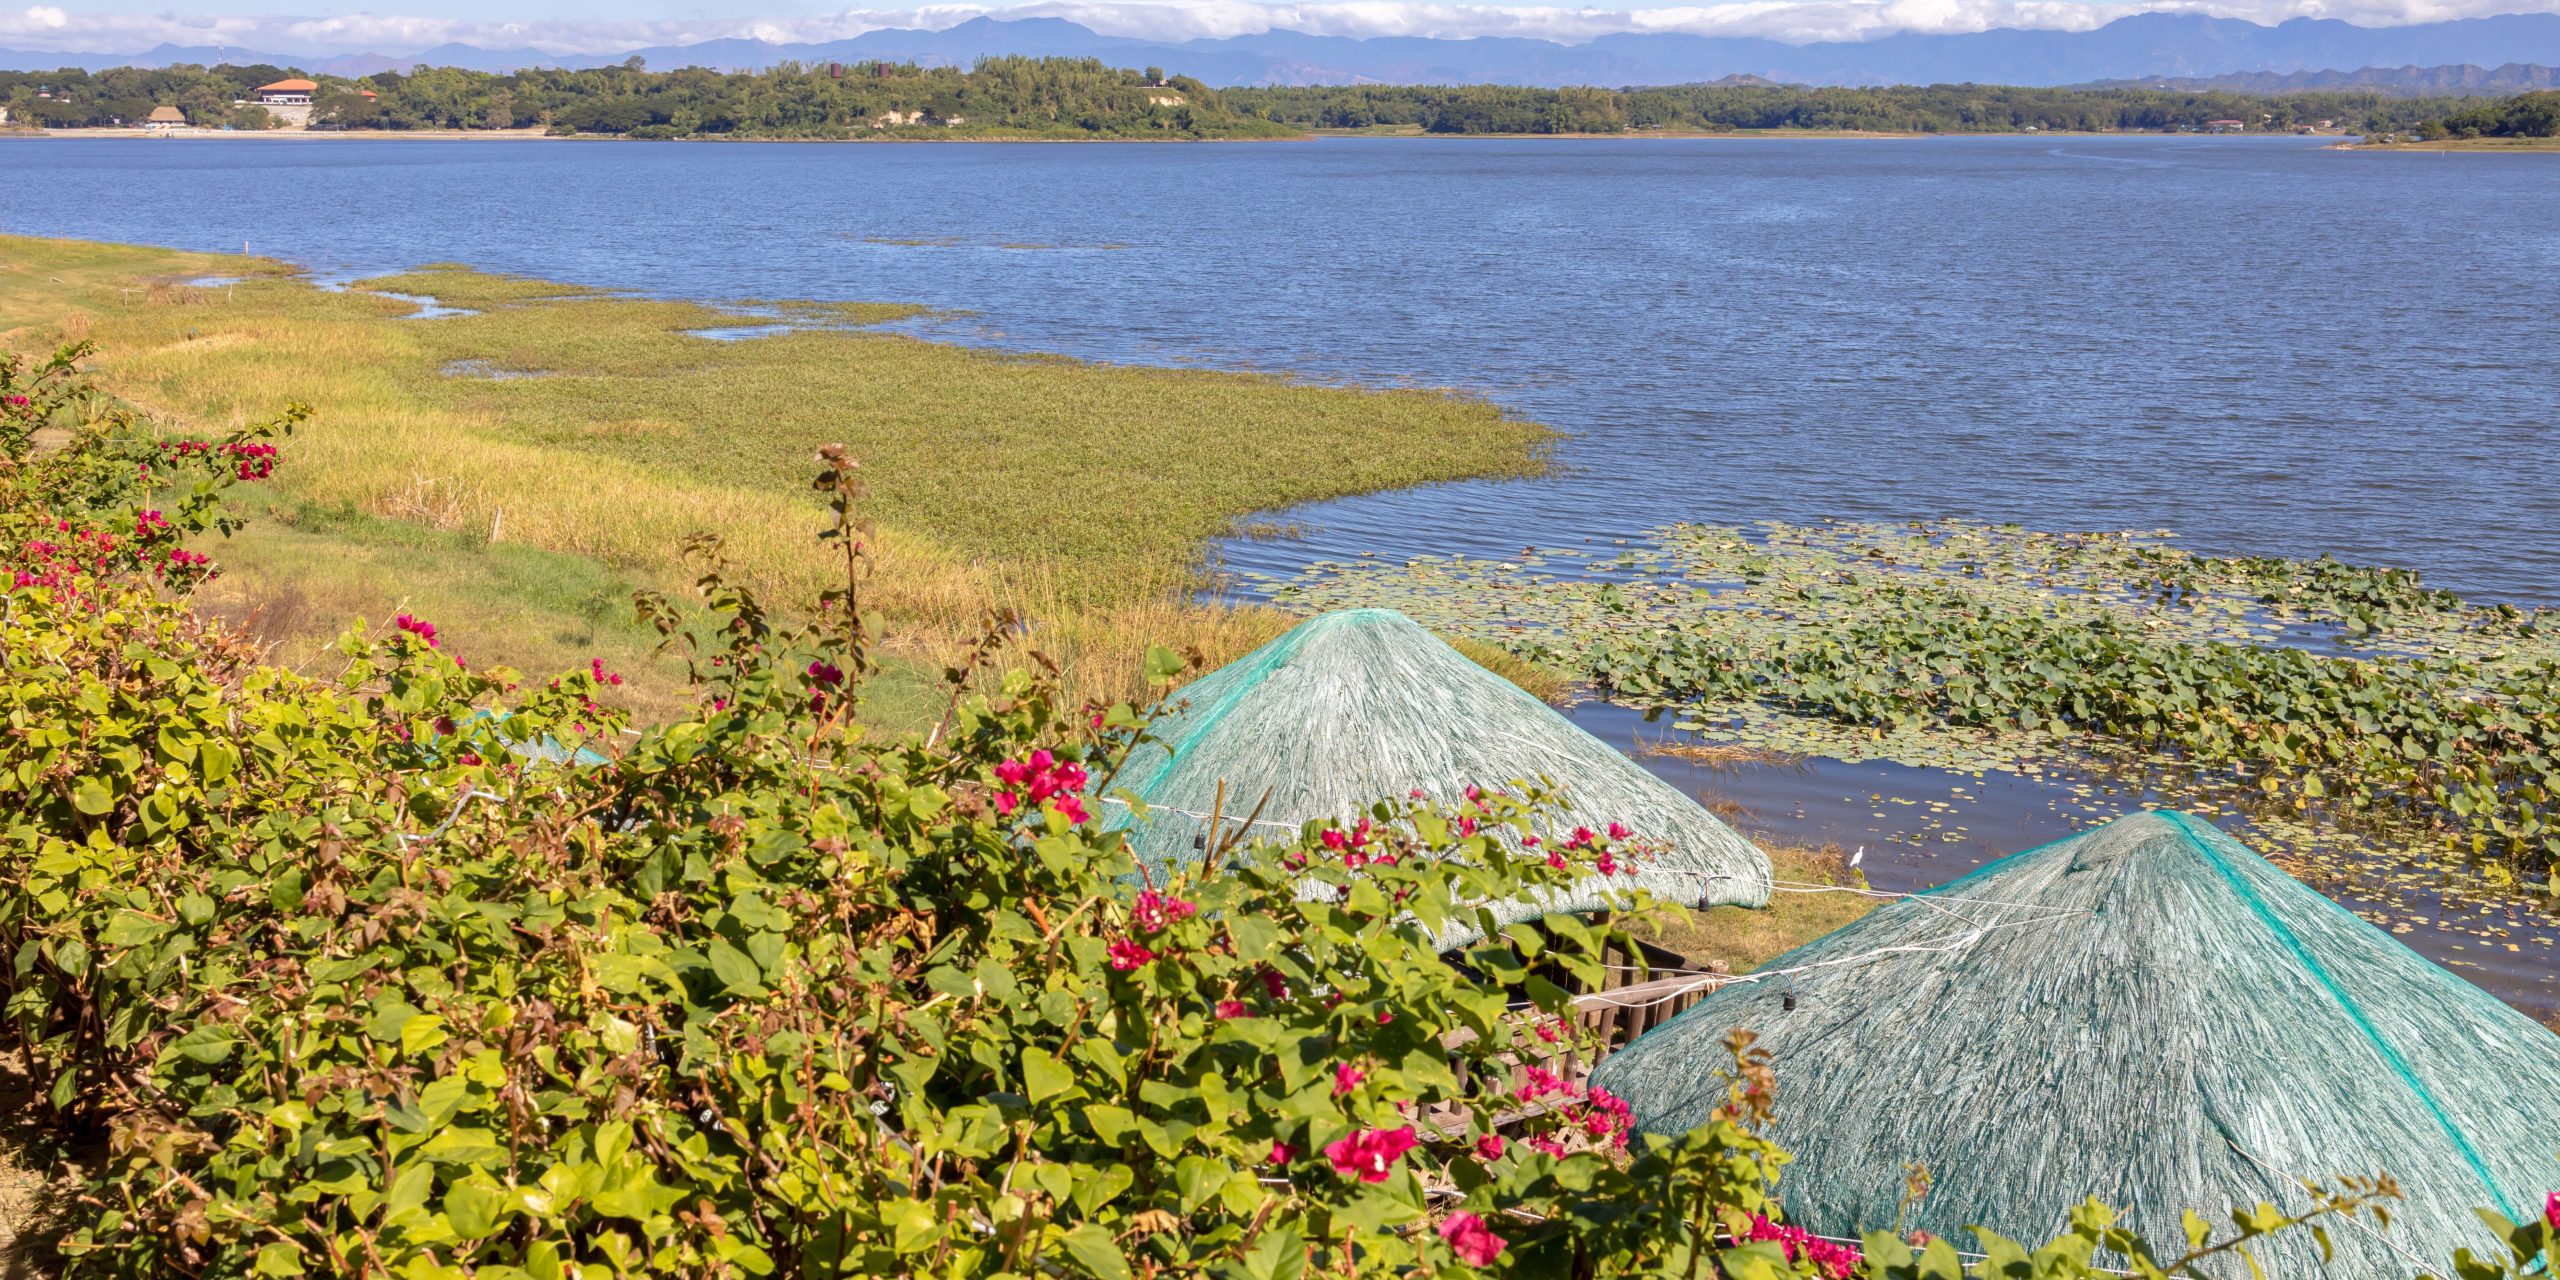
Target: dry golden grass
[(1744, 939), (1080, 496)]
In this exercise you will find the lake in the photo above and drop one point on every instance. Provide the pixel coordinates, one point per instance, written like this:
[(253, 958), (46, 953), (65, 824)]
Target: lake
[(2264, 345)]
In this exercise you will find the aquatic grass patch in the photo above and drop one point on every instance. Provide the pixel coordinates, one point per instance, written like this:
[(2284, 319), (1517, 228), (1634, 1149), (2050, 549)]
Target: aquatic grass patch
[(2335, 697), (1081, 497), (963, 444), (456, 284)]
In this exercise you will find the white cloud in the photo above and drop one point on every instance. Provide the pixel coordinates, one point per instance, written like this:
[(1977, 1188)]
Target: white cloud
[(51, 29)]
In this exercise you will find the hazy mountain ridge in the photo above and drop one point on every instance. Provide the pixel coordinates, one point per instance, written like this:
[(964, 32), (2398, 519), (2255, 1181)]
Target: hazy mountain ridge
[(2145, 48), (2408, 82)]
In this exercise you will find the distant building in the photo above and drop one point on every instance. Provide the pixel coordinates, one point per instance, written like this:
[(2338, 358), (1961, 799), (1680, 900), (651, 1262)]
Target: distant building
[(287, 93), (164, 118), (2224, 126)]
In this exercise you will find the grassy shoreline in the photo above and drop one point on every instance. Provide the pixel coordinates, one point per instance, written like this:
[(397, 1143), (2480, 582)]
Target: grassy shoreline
[(517, 473), (2510, 146)]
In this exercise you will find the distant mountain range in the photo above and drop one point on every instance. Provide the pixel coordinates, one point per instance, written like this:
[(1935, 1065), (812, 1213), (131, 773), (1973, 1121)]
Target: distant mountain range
[(2146, 48), (2405, 82)]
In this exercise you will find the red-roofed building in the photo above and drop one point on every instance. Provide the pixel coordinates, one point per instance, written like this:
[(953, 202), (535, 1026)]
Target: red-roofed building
[(287, 93)]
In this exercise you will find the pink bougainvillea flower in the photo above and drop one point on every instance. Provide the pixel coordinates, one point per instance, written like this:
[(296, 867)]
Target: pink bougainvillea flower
[(1156, 912), (1838, 1262), (826, 673), (1041, 778), (419, 627), (1233, 1009), (1618, 831), (1536, 1083), (1274, 985), (2551, 1211), (1468, 1237), (1371, 1154), (595, 667), (1347, 1078), (1489, 1147), (1282, 1153), (1127, 954), (1386, 1016)]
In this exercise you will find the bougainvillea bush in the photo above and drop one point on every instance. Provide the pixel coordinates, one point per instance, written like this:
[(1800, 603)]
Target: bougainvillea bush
[(382, 974)]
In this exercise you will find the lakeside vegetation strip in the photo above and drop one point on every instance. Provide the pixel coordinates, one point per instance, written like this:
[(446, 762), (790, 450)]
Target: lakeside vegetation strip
[(1069, 98), (1080, 495), (2338, 704)]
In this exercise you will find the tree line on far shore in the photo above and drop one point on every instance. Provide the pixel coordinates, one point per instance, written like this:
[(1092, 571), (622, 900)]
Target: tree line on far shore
[(1083, 97), (1958, 108), (1063, 97), (2526, 115)]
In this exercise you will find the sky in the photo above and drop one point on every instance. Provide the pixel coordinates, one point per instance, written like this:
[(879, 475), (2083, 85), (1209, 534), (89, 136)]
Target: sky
[(606, 26)]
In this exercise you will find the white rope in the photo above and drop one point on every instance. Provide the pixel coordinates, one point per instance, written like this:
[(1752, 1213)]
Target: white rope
[(1939, 947), (469, 794), (1205, 817)]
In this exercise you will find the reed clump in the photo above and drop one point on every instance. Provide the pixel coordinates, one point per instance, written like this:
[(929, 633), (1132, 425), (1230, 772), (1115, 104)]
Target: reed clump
[(1079, 497)]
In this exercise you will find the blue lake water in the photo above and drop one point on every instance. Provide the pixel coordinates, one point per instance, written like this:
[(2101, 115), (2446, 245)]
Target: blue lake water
[(2263, 344)]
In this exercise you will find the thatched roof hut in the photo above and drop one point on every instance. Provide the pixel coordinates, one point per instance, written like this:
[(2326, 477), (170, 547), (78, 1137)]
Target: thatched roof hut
[(2148, 1013), (1350, 708)]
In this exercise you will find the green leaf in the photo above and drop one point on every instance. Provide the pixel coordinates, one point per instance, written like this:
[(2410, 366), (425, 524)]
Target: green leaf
[(913, 1225), (1111, 1124), (209, 1043), (736, 972), (1092, 1248), (280, 1258), (475, 1206), (1043, 1076), (92, 796)]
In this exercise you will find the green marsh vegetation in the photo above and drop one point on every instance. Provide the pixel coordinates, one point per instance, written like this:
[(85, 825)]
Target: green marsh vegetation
[(529, 509), (2339, 705)]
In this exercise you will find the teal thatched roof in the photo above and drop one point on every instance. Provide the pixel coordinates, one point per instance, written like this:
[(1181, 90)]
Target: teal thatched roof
[(1350, 708), (2167, 1022)]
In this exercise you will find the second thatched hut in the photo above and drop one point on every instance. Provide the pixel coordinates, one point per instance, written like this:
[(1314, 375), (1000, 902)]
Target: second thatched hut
[(2148, 1013)]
